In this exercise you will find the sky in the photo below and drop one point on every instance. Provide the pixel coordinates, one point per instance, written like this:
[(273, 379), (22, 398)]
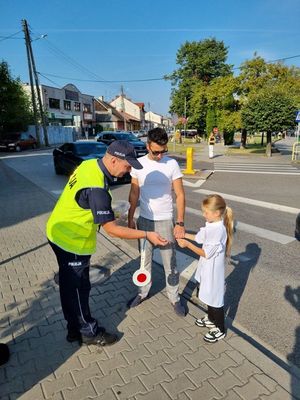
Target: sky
[(123, 40)]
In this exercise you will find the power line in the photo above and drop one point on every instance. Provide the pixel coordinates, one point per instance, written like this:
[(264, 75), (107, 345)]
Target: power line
[(55, 50), (147, 79), (104, 81), (60, 54), (54, 83), (273, 61), (100, 79), (282, 59), (10, 36)]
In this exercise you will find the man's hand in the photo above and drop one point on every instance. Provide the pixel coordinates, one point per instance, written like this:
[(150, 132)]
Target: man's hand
[(131, 224), (179, 232), (183, 243), (156, 239)]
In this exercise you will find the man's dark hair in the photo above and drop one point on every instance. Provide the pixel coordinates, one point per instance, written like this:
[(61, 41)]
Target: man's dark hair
[(158, 136)]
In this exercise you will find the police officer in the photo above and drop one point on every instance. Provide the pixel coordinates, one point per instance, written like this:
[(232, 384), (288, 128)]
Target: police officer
[(71, 230)]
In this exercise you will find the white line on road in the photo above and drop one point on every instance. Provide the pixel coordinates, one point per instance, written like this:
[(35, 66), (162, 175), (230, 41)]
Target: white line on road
[(253, 202), (264, 233), (26, 155), (258, 172), (258, 166)]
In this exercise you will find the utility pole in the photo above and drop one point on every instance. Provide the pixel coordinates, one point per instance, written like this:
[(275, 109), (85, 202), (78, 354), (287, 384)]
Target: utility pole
[(149, 116), (123, 107), (36, 78), (37, 130), (185, 117)]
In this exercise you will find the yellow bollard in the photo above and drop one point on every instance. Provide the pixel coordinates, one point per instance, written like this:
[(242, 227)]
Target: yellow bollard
[(189, 162), (295, 151)]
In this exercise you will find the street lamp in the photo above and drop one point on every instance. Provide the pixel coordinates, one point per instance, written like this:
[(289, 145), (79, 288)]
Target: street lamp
[(40, 37)]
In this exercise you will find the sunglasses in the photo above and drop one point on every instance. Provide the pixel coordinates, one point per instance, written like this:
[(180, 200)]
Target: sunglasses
[(157, 153)]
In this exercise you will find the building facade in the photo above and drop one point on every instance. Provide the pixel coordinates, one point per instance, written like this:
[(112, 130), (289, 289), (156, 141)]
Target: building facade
[(153, 120), (111, 119), (133, 113), (66, 106)]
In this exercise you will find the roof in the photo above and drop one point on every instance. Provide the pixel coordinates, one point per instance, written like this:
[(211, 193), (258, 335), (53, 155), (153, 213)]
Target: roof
[(141, 105), (108, 107), (128, 117)]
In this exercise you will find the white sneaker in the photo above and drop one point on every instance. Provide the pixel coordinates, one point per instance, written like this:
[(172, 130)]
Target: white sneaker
[(204, 322), (214, 335)]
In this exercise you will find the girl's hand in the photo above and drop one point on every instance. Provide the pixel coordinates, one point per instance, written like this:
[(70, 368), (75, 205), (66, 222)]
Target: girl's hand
[(183, 243)]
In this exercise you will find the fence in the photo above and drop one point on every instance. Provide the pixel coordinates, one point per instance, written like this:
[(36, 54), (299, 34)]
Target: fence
[(56, 134)]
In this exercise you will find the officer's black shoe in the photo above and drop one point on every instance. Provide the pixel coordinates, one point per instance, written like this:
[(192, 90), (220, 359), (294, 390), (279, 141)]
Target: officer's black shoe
[(4, 353), (101, 339), (73, 336)]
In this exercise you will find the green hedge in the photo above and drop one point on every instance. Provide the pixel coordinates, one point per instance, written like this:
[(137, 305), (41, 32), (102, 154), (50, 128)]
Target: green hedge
[(228, 138)]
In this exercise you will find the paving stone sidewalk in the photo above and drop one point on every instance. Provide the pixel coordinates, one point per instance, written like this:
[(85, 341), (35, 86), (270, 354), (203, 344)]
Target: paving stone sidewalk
[(159, 356)]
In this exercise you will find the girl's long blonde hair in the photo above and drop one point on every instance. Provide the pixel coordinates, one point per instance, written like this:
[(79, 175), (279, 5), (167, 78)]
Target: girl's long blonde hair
[(215, 202)]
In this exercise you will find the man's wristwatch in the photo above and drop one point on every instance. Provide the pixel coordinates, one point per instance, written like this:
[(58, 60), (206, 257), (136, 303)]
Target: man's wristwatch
[(180, 223)]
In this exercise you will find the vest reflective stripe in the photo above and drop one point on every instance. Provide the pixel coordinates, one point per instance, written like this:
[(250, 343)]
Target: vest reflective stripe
[(212, 140), (71, 227)]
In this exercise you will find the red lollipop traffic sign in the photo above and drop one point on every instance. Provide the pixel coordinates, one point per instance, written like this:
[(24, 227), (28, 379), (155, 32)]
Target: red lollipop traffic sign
[(141, 277)]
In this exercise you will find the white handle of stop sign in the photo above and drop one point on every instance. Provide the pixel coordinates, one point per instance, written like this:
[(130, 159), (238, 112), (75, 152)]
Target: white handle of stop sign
[(141, 277)]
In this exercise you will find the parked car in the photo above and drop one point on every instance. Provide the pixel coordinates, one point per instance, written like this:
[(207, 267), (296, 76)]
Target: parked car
[(17, 142), (108, 137), (189, 133), (69, 155), (139, 134)]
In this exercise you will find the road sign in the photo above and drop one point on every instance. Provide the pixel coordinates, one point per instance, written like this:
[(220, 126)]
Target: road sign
[(298, 116)]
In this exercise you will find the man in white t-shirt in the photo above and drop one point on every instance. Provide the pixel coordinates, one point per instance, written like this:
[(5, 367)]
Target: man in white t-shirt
[(152, 186)]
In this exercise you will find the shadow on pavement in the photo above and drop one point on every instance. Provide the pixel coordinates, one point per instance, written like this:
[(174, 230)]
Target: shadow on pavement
[(41, 352), (236, 281), (293, 297)]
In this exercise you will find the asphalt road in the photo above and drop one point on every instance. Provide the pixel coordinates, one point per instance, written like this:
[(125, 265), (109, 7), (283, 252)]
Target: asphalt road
[(263, 276)]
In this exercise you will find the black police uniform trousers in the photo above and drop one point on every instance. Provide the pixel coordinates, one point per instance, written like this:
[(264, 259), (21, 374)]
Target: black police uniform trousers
[(74, 288)]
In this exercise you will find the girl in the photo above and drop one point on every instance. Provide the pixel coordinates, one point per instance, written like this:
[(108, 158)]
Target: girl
[(216, 238)]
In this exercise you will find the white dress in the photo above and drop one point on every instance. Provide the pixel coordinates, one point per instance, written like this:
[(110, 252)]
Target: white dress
[(211, 270)]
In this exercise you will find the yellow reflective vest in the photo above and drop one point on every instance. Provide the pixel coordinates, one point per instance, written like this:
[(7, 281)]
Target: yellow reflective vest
[(211, 139), (70, 226)]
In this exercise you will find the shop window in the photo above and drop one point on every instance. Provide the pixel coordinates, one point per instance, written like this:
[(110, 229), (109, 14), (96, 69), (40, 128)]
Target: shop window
[(87, 108), (76, 106), (67, 105), (54, 103)]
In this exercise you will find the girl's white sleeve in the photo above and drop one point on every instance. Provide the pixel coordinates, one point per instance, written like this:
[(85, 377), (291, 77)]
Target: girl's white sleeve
[(213, 250), (200, 236), (214, 243)]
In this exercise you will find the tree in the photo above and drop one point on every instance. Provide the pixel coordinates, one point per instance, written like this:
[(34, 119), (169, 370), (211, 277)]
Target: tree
[(197, 106), (268, 111), (211, 120), (258, 75), (199, 63), (221, 96), (15, 111)]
